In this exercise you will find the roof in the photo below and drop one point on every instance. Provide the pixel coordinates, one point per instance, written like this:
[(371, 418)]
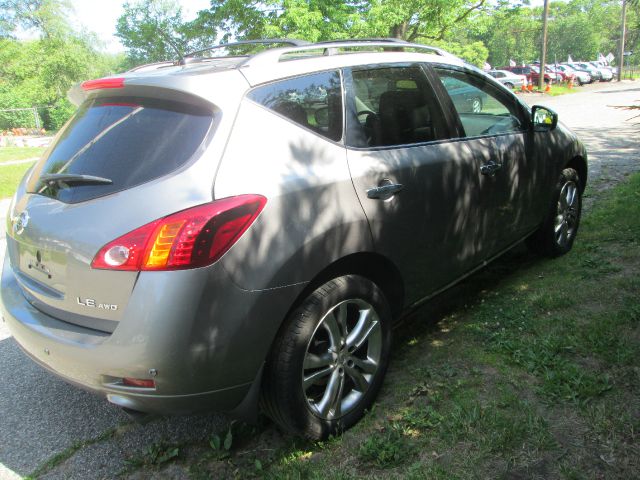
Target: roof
[(297, 57)]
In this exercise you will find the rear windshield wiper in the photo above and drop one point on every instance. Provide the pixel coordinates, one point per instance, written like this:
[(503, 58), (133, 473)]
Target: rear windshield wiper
[(74, 179)]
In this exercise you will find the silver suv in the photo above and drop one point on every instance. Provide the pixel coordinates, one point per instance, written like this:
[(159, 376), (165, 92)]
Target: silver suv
[(229, 232)]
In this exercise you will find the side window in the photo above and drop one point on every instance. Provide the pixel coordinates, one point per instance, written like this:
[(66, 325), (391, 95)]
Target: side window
[(482, 108), (312, 101), (392, 106)]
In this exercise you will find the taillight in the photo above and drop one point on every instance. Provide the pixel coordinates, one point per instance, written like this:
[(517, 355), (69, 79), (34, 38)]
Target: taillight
[(192, 238), (139, 382), (101, 83)]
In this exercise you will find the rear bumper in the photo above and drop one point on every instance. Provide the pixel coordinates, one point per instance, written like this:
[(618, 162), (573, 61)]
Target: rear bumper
[(203, 350)]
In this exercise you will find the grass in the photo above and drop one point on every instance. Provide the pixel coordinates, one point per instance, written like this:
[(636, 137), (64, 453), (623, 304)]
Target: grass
[(8, 154), (528, 369), (562, 90), (10, 176)]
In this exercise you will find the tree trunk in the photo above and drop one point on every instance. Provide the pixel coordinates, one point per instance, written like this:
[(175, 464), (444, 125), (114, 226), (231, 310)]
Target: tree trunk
[(399, 31)]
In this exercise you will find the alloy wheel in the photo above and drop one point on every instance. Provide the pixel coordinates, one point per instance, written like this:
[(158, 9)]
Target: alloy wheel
[(342, 359), (567, 214)]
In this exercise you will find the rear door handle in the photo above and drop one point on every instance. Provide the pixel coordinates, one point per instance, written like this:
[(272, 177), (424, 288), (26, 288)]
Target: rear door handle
[(490, 168), (384, 192)]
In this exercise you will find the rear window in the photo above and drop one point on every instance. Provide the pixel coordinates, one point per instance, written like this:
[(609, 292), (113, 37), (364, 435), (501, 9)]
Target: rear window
[(112, 144)]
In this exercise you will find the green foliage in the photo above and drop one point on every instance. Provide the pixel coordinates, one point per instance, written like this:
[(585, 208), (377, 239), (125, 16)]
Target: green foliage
[(385, 449), (475, 53), (580, 28), (476, 30), (316, 20), (153, 30), (155, 454), (46, 16), (221, 448), (38, 73), (58, 114)]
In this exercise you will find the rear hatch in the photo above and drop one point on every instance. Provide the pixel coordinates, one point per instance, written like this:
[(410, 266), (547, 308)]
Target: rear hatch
[(92, 186)]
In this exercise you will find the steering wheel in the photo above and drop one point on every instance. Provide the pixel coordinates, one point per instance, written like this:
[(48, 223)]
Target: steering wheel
[(364, 112)]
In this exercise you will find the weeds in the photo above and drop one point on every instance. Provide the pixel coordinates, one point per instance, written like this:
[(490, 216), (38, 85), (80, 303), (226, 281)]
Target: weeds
[(154, 455), (385, 449)]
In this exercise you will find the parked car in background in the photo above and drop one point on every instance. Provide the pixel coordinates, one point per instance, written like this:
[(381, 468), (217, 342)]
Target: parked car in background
[(561, 76), (549, 75), (580, 77), (235, 232), (600, 64), (606, 72), (529, 72), (466, 98), (589, 71), (509, 79), (595, 73)]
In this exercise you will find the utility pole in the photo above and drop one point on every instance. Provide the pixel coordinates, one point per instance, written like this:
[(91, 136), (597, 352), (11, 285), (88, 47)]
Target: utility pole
[(623, 32), (543, 57)]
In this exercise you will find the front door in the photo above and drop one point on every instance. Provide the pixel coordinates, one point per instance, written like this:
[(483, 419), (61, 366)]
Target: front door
[(419, 192), (498, 142)]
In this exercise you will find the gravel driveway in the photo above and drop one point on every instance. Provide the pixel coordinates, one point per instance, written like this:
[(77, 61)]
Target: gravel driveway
[(43, 417)]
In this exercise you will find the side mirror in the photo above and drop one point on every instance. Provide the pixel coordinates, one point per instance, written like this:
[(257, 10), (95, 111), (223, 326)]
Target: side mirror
[(543, 119)]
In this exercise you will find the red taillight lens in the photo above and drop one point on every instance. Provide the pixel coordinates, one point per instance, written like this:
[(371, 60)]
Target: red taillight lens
[(139, 382), (101, 83), (189, 239)]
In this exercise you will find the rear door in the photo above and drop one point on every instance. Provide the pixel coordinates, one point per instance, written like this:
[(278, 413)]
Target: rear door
[(82, 194), (420, 195)]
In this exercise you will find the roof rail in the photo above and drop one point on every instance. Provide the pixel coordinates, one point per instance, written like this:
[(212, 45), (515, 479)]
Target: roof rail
[(151, 66), (333, 48), (268, 41), (372, 39)]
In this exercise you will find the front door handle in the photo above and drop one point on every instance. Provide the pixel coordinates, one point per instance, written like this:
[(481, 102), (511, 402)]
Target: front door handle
[(490, 168), (384, 192)]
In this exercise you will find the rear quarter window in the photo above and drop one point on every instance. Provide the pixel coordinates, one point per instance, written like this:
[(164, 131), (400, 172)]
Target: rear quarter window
[(311, 101), (126, 140)]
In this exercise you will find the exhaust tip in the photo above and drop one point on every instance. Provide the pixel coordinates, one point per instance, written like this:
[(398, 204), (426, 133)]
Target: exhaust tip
[(129, 407)]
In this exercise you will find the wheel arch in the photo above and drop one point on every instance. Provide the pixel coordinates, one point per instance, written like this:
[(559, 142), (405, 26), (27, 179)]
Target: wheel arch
[(579, 164), (377, 268)]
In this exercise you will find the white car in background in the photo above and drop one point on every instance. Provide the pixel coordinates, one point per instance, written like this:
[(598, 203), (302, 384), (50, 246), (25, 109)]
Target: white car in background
[(581, 76), (607, 72), (509, 79)]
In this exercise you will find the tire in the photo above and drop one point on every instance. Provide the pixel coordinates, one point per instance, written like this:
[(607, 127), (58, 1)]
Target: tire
[(509, 85), (319, 381), (579, 82), (557, 233)]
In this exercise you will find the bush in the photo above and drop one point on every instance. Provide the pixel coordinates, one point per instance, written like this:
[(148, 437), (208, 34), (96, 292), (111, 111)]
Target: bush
[(10, 119), (56, 116)]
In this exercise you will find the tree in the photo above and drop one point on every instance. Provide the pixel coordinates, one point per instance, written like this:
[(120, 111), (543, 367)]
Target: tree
[(507, 30), (316, 20), (46, 16), (38, 73), (153, 30)]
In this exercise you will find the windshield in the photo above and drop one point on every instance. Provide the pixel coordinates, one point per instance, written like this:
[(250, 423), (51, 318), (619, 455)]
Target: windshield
[(115, 143)]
